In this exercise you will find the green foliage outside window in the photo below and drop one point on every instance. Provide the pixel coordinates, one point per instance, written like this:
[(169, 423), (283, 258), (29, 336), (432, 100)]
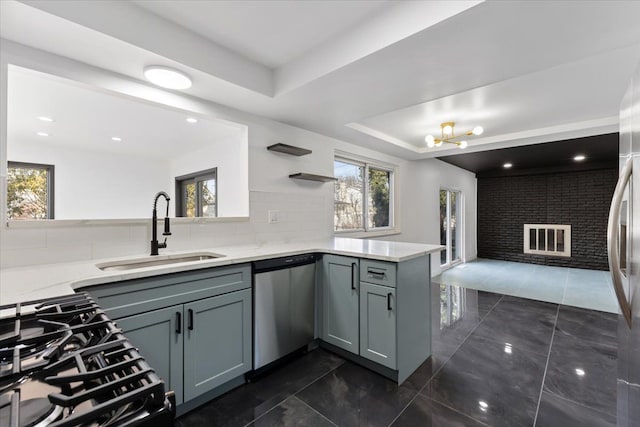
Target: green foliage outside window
[(27, 192), (379, 196)]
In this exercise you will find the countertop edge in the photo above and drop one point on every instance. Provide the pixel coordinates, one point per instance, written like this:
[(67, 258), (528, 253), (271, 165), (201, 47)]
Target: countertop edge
[(85, 279)]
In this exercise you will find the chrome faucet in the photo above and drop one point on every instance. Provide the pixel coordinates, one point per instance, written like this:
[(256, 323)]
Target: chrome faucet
[(154, 225)]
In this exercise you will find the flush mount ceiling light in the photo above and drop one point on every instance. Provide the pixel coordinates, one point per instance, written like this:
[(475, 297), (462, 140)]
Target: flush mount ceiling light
[(507, 165), (448, 135), (167, 77), (579, 157), (191, 120), (45, 119)]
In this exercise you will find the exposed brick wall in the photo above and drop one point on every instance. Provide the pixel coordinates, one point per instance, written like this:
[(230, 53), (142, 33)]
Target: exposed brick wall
[(581, 199)]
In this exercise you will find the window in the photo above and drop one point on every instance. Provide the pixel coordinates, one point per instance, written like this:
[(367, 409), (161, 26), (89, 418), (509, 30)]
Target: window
[(363, 196), (29, 191), (196, 194), (450, 226), (547, 239)]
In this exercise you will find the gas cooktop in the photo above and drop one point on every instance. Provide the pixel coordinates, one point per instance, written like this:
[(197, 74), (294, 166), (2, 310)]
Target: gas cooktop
[(63, 362)]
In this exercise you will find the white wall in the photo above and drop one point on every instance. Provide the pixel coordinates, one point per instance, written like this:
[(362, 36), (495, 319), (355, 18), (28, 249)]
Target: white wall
[(95, 185), (422, 181), (306, 208), (230, 158)]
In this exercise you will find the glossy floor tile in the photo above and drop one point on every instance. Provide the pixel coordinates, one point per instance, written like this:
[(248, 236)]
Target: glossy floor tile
[(354, 396), (497, 361), (252, 400), (490, 382), (292, 413), (428, 413), (555, 411), (575, 287), (579, 370)]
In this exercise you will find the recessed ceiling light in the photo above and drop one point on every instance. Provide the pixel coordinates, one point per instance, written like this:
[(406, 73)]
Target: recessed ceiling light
[(42, 134), (507, 165), (580, 372), (167, 77), (116, 138), (191, 120), (579, 157), (45, 119)]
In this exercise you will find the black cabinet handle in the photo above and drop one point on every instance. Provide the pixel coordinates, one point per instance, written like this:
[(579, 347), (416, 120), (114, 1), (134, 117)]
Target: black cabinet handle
[(376, 274), (190, 320), (389, 301), (353, 281), (178, 322)]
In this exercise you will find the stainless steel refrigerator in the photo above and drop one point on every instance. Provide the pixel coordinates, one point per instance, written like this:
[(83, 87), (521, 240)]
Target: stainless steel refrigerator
[(624, 256)]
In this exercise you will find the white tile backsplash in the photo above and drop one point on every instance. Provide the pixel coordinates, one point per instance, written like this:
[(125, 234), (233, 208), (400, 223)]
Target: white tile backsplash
[(48, 255), (115, 250), (302, 217), (62, 236), (22, 238)]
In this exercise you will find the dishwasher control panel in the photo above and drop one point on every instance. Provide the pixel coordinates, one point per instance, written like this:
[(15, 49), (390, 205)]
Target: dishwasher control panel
[(284, 262)]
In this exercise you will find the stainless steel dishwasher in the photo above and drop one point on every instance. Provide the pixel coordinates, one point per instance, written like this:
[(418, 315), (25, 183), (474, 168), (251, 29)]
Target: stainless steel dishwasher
[(283, 307)]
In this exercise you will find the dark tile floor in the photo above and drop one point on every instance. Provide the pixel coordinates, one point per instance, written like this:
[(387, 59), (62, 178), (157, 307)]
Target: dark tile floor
[(497, 361)]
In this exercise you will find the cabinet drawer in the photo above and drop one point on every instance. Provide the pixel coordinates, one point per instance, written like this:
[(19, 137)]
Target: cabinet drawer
[(378, 272), (132, 297)]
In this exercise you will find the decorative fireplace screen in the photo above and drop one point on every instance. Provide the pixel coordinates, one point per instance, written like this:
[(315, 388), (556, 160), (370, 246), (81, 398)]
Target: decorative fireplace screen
[(547, 239)]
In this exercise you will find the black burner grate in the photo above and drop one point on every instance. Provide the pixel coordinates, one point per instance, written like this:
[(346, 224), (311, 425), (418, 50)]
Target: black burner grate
[(90, 371)]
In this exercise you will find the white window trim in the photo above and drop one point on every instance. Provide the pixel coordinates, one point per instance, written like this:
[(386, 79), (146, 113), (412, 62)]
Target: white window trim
[(452, 263), (556, 227), (393, 202)]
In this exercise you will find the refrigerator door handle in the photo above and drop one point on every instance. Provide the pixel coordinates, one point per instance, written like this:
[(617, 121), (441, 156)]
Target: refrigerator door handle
[(613, 245)]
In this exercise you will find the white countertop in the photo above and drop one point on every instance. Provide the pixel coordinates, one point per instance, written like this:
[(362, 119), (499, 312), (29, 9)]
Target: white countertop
[(43, 281)]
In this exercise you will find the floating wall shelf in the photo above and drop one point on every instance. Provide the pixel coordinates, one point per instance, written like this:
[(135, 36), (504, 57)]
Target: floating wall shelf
[(312, 177), (289, 149)]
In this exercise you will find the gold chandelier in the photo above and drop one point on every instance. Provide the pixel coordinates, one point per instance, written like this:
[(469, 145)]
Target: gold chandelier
[(449, 136)]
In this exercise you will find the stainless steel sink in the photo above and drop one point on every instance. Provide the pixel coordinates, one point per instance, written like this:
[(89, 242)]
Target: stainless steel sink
[(155, 261)]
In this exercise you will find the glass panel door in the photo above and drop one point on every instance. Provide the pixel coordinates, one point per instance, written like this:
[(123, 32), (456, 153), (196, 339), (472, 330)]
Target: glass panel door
[(450, 227)]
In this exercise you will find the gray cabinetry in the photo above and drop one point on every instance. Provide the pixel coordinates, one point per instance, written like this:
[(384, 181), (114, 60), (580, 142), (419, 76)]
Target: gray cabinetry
[(378, 312), (194, 328), (378, 272), (217, 345), (158, 337), (378, 324), (340, 320)]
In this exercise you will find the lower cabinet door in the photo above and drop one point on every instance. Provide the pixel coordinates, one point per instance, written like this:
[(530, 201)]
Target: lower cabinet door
[(217, 343), (158, 334), (378, 324), (340, 302)]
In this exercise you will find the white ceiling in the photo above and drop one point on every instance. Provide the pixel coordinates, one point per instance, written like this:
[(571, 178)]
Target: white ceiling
[(87, 119), (269, 32), (519, 106), (381, 74)]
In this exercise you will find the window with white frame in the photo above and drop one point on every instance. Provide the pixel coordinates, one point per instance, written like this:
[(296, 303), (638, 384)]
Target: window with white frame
[(363, 196), (451, 224), (547, 239)]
